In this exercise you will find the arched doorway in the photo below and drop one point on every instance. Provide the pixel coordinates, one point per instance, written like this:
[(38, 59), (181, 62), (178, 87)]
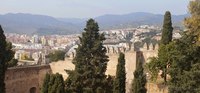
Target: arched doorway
[(33, 90)]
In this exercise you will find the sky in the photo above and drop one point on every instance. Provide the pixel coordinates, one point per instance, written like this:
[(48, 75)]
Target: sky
[(92, 8)]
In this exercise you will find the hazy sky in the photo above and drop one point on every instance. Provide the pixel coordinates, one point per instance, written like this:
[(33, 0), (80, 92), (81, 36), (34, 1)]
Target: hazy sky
[(91, 8)]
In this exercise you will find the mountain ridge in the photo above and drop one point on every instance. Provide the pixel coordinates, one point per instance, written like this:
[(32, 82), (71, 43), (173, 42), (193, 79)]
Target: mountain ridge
[(24, 23)]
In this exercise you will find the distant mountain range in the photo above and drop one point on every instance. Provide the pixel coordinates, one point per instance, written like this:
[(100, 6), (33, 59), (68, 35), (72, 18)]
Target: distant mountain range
[(44, 25)]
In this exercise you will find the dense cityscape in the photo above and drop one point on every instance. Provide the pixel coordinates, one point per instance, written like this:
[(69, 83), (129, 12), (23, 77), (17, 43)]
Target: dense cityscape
[(29, 49)]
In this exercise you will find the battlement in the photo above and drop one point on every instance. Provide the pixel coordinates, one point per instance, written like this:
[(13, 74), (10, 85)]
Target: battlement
[(149, 47)]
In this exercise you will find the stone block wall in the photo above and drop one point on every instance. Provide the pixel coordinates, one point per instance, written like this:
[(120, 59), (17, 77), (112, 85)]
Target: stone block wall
[(25, 79)]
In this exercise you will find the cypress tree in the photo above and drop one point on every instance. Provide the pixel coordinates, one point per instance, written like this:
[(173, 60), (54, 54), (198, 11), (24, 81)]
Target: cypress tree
[(54, 84), (167, 29), (46, 83), (59, 84), (109, 84), (139, 82), (166, 39), (90, 62), (6, 54), (120, 80)]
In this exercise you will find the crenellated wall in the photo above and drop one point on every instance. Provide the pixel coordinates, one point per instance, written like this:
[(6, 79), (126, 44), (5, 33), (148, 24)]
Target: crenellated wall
[(29, 79), (25, 79)]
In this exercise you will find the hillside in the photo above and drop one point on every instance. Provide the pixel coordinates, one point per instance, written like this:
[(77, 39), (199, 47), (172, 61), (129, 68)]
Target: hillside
[(43, 25), (35, 24)]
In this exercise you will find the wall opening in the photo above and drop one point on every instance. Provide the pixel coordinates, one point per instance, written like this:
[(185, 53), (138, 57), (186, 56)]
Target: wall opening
[(33, 90)]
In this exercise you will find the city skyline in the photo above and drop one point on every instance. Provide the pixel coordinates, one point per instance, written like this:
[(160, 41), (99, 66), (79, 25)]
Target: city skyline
[(91, 8)]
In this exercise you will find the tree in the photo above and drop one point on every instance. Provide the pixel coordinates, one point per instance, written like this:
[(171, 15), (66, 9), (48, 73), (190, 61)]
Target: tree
[(90, 62), (46, 83), (185, 66), (6, 54), (152, 68), (56, 56), (53, 84), (163, 49), (184, 69), (120, 80), (166, 39), (192, 23), (12, 63), (163, 61), (109, 84), (139, 82), (167, 29)]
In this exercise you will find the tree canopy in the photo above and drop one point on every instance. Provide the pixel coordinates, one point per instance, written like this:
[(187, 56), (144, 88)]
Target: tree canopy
[(90, 62), (120, 79)]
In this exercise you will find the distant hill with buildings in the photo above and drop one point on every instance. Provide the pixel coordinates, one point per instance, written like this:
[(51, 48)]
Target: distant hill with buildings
[(40, 24)]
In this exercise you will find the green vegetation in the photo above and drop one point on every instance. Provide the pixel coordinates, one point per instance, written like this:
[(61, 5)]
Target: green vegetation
[(12, 63), (120, 79), (167, 29), (56, 56), (162, 62), (139, 82), (6, 54), (90, 62), (184, 69), (185, 63), (152, 68), (53, 84), (45, 85), (180, 58)]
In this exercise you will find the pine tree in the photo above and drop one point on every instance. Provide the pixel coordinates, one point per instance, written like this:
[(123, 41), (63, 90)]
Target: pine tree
[(90, 62), (46, 83), (139, 82), (120, 80), (6, 54)]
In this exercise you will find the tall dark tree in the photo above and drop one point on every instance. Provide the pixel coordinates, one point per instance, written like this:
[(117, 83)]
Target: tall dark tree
[(120, 80), (53, 84), (167, 29), (167, 32), (6, 54), (90, 62), (109, 84), (139, 82), (46, 83)]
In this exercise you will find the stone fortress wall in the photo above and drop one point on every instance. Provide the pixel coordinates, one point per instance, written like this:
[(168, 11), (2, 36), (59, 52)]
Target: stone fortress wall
[(29, 79), (25, 79), (131, 56)]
